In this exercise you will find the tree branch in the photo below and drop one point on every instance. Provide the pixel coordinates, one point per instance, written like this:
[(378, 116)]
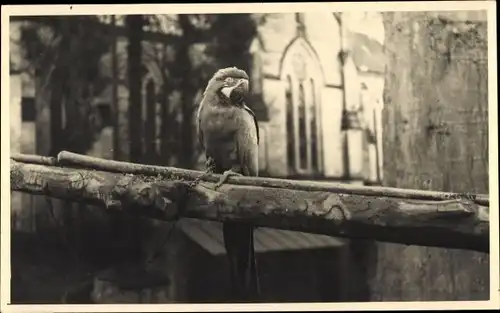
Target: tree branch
[(167, 193)]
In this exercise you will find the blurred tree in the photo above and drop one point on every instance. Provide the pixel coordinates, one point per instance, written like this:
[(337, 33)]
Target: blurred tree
[(232, 35), (63, 54), (435, 137)]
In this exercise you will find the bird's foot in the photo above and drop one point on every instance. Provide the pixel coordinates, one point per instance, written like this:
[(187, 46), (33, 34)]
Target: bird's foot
[(225, 177), (210, 165)]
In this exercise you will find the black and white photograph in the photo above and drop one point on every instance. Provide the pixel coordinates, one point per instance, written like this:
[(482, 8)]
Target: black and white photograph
[(249, 154)]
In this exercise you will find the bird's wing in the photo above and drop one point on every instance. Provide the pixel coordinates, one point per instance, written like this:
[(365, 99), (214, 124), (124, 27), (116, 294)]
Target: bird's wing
[(254, 119), (247, 142), (198, 127)]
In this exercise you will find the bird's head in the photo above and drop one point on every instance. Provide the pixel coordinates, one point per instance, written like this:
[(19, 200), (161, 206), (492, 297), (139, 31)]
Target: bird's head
[(230, 83)]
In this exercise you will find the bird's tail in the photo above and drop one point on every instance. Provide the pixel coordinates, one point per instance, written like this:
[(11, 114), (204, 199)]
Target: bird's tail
[(239, 243)]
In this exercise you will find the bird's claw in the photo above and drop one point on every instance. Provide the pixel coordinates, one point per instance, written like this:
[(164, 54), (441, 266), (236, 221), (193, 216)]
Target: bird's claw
[(210, 165), (225, 177)]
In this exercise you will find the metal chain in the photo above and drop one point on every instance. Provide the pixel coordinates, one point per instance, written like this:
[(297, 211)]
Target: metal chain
[(198, 179)]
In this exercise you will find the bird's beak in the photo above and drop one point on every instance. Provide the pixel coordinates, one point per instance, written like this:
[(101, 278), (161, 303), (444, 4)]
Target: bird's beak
[(241, 87)]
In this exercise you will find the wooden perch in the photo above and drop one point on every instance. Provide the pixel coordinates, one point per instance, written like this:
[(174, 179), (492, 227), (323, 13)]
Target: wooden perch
[(321, 208), (75, 160)]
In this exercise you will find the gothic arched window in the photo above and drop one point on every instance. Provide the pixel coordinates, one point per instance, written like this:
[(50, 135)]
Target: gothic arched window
[(290, 125), (314, 128), (300, 74), (303, 138)]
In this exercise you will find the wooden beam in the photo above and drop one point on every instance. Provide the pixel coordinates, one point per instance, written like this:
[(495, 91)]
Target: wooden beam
[(457, 223)]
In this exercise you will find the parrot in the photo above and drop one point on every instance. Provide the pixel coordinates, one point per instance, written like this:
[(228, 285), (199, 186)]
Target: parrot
[(228, 133)]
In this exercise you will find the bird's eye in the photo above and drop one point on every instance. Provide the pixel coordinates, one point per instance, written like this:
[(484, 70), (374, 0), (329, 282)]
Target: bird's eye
[(229, 80)]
